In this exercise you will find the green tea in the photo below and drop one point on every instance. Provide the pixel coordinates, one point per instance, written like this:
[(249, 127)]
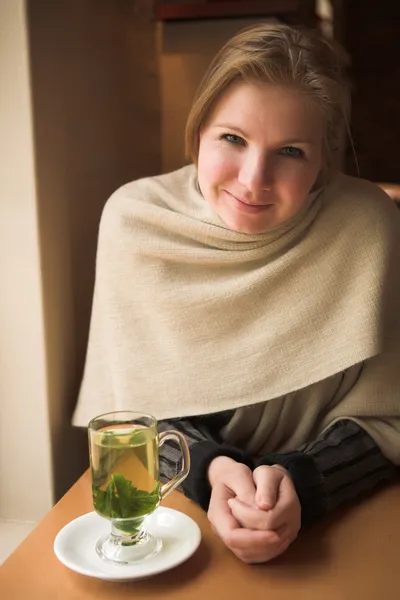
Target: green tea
[(125, 473)]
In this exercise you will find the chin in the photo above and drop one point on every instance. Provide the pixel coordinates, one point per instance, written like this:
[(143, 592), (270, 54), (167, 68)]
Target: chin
[(249, 228)]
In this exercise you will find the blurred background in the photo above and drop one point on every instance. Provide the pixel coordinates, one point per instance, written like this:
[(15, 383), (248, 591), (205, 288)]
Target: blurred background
[(95, 93)]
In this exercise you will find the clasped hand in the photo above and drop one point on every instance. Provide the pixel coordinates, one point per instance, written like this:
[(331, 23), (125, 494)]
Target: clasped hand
[(257, 514)]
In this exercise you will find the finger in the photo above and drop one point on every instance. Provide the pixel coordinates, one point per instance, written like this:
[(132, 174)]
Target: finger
[(267, 480), (256, 519), (249, 546), (291, 504), (283, 531), (249, 517), (219, 513), (287, 509), (273, 552), (242, 485), (256, 546)]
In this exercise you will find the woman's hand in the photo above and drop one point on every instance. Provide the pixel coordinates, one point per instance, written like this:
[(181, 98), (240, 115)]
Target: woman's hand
[(234, 482), (277, 507), (236, 477)]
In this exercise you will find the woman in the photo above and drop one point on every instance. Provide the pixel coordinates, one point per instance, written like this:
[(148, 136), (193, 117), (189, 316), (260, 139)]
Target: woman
[(250, 300)]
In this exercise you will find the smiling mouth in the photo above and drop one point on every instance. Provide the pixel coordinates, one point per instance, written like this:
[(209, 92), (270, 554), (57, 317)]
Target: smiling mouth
[(246, 207)]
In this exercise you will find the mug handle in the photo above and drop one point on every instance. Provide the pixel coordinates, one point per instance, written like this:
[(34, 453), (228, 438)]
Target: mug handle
[(178, 437)]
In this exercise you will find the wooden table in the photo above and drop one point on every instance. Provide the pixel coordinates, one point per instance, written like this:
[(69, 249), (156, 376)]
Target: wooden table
[(354, 556)]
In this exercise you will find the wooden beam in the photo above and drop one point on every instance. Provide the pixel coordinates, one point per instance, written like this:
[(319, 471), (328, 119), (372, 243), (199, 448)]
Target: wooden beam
[(231, 8)]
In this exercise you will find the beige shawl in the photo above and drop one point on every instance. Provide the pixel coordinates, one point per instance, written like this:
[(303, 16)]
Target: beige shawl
[(190, 317)]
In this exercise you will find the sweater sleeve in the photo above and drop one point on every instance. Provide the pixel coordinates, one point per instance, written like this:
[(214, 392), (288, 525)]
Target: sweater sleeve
[(202, 437), (342, 463)]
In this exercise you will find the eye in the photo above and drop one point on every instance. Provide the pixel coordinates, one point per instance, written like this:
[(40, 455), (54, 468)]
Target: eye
[(234, 139), (292, 152)]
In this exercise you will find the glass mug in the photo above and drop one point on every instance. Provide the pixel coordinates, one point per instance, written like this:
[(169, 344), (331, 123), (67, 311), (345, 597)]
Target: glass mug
[(126, 488)]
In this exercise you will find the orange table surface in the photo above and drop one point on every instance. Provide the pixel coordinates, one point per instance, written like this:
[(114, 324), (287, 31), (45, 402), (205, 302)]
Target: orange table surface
[(353, 555)]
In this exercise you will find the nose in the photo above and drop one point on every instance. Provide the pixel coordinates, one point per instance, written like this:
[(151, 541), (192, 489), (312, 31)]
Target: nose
[(256, 173)]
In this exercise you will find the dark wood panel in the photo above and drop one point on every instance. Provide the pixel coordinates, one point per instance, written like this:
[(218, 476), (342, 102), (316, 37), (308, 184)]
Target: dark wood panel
[(371, 34), (294, 10)]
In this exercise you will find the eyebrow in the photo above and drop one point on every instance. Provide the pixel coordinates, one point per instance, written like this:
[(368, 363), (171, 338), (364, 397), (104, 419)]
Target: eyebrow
[(244, 134)]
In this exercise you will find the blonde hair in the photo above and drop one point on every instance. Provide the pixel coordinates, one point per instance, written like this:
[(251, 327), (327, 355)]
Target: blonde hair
[(276, 55)]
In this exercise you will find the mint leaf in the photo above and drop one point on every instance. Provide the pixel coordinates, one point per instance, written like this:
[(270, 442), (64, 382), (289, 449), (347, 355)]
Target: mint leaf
[(124, 491), (112, 501), (122, 500), (99, 500), (140, 494), (143, 503)]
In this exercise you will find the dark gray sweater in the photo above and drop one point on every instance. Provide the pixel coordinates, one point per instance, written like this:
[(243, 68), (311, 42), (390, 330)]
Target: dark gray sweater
[(342, 463)]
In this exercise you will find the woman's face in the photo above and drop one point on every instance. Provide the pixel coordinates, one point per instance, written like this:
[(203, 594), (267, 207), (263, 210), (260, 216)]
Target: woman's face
[(260, 154)]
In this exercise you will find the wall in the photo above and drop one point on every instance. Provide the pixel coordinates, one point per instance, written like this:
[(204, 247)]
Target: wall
[(96, 124), (25, 461)]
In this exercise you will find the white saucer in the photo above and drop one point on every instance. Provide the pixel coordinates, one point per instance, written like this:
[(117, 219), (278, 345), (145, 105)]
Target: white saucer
[(74, 545)]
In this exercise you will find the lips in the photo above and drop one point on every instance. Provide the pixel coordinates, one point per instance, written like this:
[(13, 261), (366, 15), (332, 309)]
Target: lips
[(247, 207)]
